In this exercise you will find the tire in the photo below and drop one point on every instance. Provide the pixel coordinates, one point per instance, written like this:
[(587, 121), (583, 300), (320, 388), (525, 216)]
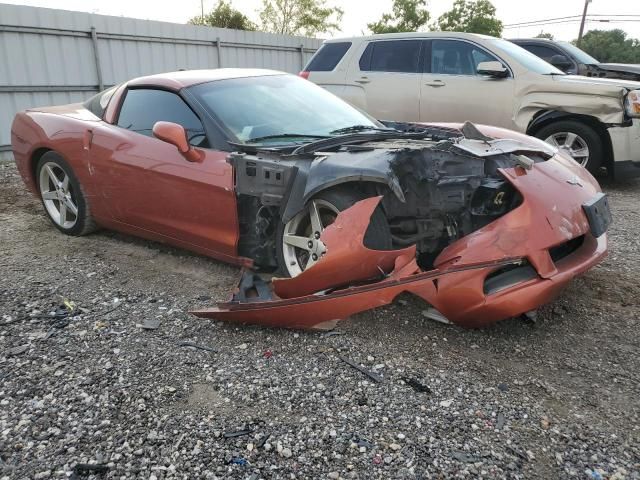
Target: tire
[(62, 197), (560, 133), (328, 203)]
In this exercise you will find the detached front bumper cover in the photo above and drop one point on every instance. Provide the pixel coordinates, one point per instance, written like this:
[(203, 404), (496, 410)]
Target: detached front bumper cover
[(351, 278)]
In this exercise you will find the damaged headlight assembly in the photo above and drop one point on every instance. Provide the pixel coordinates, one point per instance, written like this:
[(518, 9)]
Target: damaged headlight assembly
[(632, 104)]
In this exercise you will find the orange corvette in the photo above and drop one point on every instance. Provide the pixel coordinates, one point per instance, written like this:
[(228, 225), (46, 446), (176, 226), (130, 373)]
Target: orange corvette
[(267, 170)]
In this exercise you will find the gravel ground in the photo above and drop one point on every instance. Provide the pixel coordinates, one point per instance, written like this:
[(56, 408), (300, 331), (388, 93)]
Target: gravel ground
[(554, 399)]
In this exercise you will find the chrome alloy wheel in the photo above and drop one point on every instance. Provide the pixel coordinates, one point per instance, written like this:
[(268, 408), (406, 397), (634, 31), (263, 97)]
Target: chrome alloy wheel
[(572, 144), (57, 195), (301, 244)]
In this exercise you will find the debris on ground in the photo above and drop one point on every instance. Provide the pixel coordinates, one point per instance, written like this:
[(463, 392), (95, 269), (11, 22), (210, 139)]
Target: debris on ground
[(416, 385), (150, 324), (196, 346), (154, 410), (373, 376), (17, 350)]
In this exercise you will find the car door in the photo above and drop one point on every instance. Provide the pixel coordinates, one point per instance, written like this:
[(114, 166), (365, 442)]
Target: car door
[(152, 187), (453, 91), (384, 80)]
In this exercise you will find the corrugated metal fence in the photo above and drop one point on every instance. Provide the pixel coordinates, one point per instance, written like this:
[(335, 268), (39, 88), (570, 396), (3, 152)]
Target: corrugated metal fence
[(50, 57)]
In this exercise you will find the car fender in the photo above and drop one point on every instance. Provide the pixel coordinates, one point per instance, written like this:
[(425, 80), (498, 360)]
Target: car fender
[(330, 170)]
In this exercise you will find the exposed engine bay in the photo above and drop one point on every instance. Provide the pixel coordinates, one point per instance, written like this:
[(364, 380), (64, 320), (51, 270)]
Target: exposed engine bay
[(437, 186)]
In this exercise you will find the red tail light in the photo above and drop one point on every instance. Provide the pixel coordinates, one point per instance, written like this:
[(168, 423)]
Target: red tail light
[(304, 74)]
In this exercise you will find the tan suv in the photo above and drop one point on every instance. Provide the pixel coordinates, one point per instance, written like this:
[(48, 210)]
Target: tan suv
[(454, 77)]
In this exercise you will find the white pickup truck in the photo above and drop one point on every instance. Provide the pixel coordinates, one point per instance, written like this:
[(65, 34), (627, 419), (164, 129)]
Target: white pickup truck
[(455, 77)]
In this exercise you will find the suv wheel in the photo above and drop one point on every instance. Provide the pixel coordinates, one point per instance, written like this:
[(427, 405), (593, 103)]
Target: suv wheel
[(578, 140)]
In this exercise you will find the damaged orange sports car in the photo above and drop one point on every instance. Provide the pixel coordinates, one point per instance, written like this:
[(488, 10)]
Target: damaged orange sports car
[(271, 172)]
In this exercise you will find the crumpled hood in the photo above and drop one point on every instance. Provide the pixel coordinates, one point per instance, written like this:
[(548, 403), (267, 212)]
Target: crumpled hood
[(606, 85), (620, 67)]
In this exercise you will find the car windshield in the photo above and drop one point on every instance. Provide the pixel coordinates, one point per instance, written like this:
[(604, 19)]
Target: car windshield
[(525, 58), (580, 55), (277, 109)]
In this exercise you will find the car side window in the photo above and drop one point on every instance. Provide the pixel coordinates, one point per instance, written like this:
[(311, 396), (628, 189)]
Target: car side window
[(143, 107), (541, 51), (453, 57), (391, 56)]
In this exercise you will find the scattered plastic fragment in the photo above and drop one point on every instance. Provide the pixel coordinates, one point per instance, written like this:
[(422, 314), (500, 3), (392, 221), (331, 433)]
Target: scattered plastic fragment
[(373, 376), (17, 350), (86, 469), (149, 324), (500, 421), (263, 440), (238, 433), (267, 354), (464, 457), (416, 385), (196, 345), (239, 461)]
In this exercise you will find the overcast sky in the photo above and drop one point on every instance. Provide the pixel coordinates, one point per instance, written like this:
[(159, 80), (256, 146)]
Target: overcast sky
[(360, 12)]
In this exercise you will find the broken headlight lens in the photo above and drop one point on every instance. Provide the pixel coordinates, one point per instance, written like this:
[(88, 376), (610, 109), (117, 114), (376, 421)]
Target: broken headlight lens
[(632, 103)]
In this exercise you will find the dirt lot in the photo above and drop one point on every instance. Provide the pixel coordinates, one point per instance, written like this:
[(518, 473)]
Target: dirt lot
[(554, 399)]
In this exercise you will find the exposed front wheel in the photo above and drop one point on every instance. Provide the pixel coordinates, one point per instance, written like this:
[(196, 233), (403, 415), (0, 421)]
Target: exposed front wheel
[(580, 141), (62, 197), (299, 244)]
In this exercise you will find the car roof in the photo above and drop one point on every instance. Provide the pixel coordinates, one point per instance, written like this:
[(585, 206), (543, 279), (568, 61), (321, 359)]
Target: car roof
[(387, 36), (541, 40), (186, 78)]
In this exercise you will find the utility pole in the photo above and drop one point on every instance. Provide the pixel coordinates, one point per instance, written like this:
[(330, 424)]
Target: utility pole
[(584, 18), (202, 12)]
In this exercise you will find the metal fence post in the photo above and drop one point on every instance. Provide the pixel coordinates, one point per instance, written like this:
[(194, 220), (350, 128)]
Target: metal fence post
[(219, 48), (96, 56), (302, 61)]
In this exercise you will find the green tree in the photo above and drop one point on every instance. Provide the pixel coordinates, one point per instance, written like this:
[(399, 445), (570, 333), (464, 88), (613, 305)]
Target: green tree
[(611, 46), (225, 16), (406, 16), (546, 35), (471, 16), (299, 17)]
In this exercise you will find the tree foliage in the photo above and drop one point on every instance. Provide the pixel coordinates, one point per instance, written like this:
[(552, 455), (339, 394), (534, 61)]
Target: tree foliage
[(611, 46), (546, 35), (470, 16), (299, 17), (225, 16), (406, 16)]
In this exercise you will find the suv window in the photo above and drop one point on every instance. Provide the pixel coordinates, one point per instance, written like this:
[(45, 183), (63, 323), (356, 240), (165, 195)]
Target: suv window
[(453, 57), (142, 108), (391, 56), (328, 57), (542, 51)]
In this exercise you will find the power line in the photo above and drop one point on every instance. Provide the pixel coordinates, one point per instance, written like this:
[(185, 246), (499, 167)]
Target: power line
[(575, 20), (571, 18)]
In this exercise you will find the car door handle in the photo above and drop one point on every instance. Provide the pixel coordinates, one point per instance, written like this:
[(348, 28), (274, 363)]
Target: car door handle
[(435, 83), (363, 80)]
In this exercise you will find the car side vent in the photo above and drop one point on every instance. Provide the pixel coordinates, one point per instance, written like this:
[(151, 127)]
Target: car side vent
[(508, 277)]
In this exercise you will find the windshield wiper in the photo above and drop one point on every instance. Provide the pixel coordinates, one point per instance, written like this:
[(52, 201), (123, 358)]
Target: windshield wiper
[(359, 128), (283, 135)]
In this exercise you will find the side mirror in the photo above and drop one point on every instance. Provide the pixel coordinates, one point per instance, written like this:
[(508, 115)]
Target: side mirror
[(493, 69), (560, 61), (176, 135)]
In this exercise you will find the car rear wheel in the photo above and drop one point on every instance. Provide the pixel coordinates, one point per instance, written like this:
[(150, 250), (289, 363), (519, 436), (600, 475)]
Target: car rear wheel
[(299, 245), (577, 139), (62, 196)]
